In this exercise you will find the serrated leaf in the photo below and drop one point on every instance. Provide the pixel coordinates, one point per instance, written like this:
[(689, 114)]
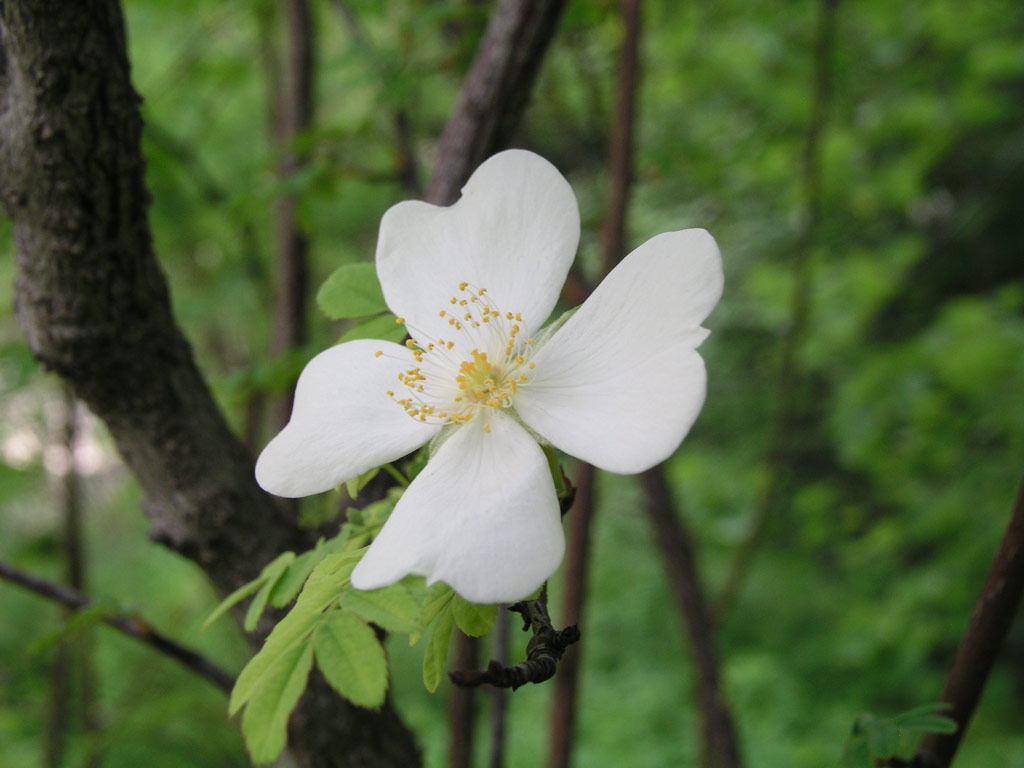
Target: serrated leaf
[(272, 573), (323, 586), (391, 608), (435, 657), (352, 290), (437, 599), (474, 619), (383, 327), (265, 722), (352, 659)]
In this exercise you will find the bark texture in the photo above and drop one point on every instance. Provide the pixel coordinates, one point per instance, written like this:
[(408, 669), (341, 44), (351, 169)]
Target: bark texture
[(95, 309), (496, 90)]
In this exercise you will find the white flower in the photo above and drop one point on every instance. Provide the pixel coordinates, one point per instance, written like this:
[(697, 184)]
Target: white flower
[(618, 385)]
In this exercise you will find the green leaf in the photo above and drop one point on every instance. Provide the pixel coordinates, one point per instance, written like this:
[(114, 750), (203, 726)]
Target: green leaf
[(351, 291), (384, 327), (323, 586), (356, 484), (391, 608), (883, 739), (352, 659), (265, 722), (436, 655), (856, 754), (232, 600), (437, 599), (76, 623), (474, 619), (273, 572), (291, 582), (929, 724)]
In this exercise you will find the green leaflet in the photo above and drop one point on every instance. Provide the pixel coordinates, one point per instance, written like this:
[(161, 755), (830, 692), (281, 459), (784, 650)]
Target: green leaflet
[(356, 484), (351, 291), (392, 608), (289, 585), (875, 738), (352, 659), (436, 655), (472, 618), (264, 724), (437, 599), (273, 573), (323, 586), (384, 327), (247, 589)]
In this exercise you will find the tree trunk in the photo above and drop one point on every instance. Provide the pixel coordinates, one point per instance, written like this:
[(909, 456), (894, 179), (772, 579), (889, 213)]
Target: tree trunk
[(95, 308)]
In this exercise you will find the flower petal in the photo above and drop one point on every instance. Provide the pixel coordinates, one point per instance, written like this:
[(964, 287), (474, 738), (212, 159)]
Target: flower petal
[(482, 517), (343, 422), (514, 232), (620, 384)]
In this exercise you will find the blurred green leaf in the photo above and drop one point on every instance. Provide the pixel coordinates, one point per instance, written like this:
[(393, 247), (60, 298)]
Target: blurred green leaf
[(352, 290), (383, 327)]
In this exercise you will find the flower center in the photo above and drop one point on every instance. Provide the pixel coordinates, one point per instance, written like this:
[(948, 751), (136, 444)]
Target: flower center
[(446, 387)]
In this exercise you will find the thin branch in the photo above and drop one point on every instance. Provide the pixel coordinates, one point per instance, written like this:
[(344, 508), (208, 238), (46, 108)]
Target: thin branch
[(499, 696), (495, 92), (461, 709), (800, 309), (543, 652), (405, 159), (563, 708), (294, 116), (719, 747), (993, 615), (128, 625)]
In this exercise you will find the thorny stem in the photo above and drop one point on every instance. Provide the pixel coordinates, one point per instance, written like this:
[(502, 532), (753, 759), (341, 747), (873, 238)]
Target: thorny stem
[(543, 652)]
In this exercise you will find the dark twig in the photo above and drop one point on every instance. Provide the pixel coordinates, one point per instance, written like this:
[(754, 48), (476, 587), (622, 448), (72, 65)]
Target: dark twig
[(129, 625), (997, 605), (800, 310), (719, 747), (461, 709), (543, 652), (499, 696), (489, 108), (563, 708), (620, 160), (496, 90), (293, 118), (405, 155)]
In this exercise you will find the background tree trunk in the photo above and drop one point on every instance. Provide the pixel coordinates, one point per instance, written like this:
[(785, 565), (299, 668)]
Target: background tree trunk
[(95, 308)]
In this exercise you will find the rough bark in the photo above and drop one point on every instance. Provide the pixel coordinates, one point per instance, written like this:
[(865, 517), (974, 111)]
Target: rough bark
[(496, 90), (95, 309)]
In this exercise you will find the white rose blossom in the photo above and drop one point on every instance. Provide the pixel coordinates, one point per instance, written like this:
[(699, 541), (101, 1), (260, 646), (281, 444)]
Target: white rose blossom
[(619, 384)]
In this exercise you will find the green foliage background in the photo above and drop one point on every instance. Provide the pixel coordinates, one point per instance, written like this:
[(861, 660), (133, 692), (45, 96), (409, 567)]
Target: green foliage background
[(909, 398)]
